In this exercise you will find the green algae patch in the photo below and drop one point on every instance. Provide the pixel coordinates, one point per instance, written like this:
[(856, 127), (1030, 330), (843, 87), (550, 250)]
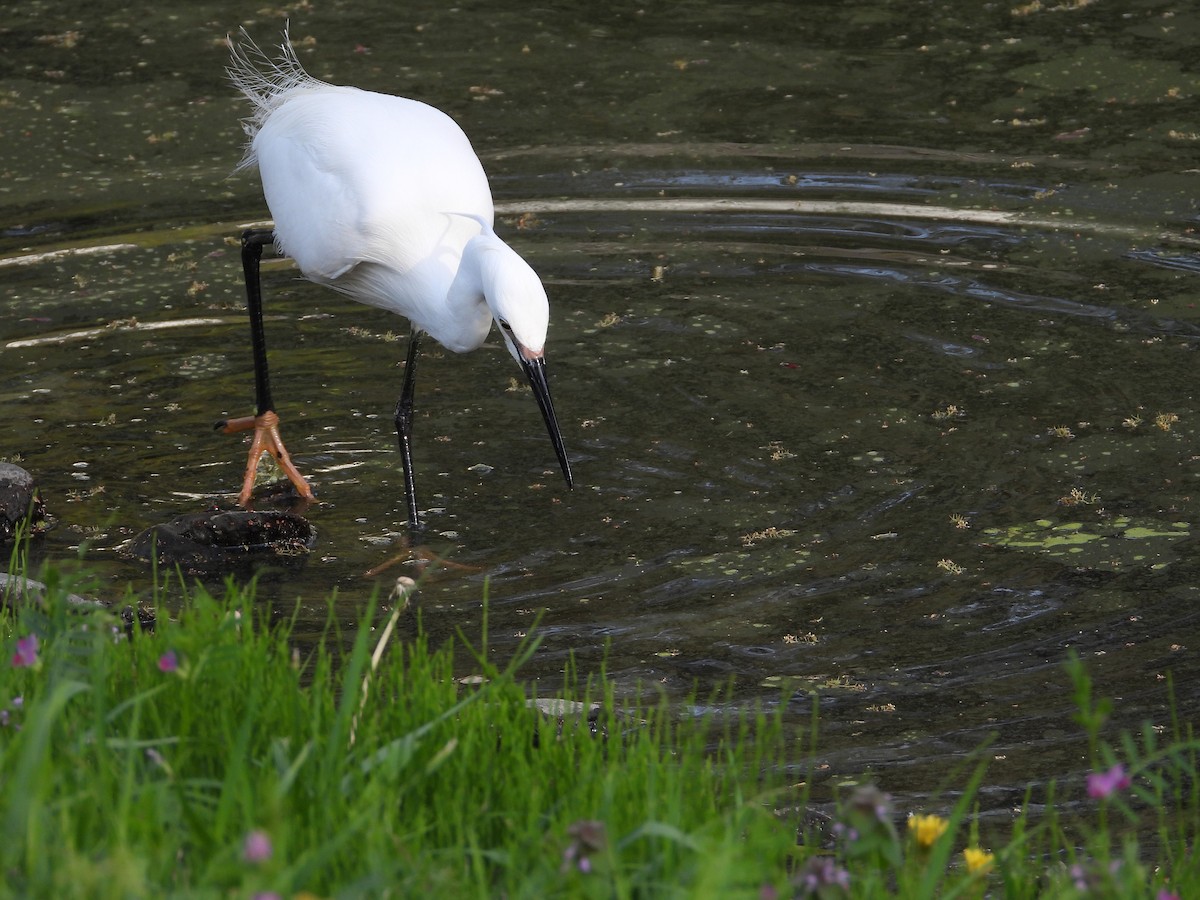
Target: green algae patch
[(746, 564), (1108, 546)]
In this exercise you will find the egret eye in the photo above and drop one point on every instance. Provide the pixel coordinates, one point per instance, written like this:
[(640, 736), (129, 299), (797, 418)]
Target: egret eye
[(503, 323)]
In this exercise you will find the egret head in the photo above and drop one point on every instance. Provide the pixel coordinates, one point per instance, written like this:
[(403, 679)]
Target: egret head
[(515, 296), (518, 303)]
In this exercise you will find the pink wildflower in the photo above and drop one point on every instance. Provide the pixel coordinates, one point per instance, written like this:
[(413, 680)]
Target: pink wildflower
[(168, 662), (26, 655), (819, 873), (1105, 784), (588, 838), (257, 847)]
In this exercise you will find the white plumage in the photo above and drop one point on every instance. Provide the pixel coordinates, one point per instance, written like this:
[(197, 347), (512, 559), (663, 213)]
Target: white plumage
[(383, 199)]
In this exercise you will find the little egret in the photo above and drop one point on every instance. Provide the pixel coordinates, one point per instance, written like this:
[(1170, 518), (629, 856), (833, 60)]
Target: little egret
[(383, 199)]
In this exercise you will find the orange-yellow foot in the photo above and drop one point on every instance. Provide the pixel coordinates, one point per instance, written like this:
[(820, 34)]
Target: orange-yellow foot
[(266, 440)]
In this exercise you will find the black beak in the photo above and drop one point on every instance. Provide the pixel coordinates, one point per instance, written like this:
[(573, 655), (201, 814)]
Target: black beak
[(535, 371)]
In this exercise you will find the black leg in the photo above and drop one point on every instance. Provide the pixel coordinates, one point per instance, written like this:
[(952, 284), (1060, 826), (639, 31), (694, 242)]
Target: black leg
[(252, 248), (404, 421), (264, 422)]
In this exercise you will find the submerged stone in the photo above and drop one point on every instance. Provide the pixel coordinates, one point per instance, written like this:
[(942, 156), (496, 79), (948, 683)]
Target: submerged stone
[(19, 502), (16, 590), (218, 542)]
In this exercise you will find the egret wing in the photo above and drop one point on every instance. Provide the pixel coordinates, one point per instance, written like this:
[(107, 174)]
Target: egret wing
[(353, 176)]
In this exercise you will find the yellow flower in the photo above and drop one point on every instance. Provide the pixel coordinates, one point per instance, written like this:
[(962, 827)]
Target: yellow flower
[(927, 829), (978, 861)]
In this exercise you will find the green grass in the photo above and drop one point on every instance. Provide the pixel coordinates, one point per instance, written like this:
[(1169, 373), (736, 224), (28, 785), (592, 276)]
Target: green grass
[(125, 780), (369, 770)]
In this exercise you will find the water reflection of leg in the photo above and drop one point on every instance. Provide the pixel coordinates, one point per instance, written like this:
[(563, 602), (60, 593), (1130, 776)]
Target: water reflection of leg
[(422, 558)]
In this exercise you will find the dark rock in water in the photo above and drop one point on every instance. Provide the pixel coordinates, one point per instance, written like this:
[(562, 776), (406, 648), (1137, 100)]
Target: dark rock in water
[(19, 502), (279, 495), (219, 542)]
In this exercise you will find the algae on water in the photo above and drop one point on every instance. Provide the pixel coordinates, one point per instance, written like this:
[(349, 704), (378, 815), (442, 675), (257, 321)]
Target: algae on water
[(1119, 543)]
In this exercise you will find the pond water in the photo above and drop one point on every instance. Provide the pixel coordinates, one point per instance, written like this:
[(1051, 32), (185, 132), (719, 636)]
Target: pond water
[(873, 342)]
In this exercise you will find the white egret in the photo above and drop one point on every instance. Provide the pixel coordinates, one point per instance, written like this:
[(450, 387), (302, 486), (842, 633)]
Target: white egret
[(383, 199)]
